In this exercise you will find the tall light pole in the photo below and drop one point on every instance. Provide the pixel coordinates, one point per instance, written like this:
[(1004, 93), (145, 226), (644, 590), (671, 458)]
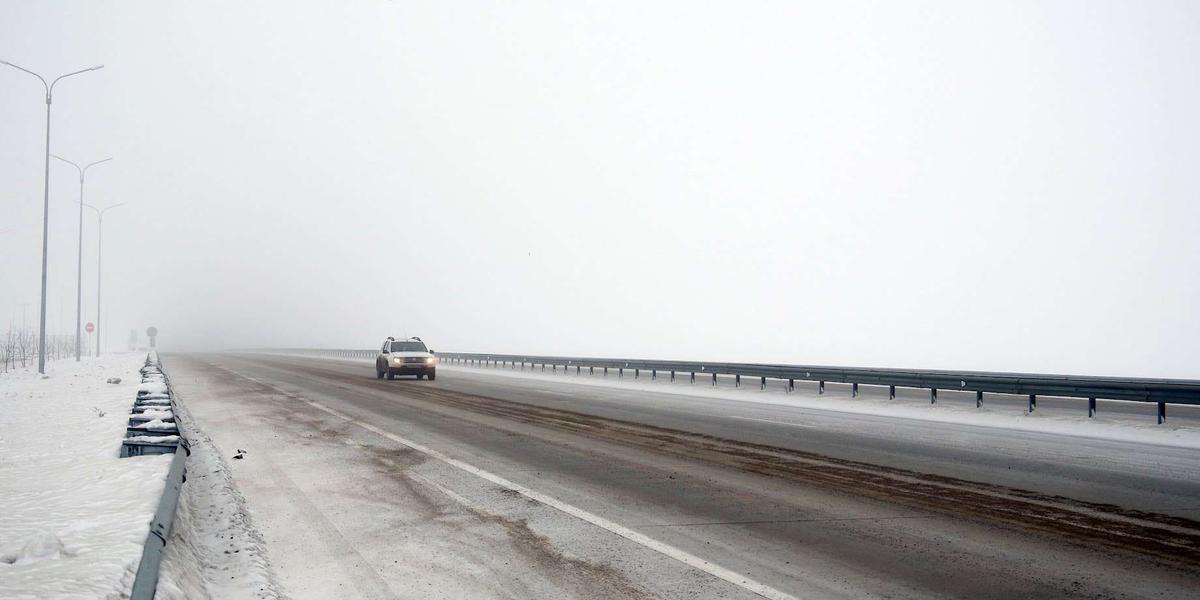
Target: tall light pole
[(49, 87), (99, 261), (79, 269)]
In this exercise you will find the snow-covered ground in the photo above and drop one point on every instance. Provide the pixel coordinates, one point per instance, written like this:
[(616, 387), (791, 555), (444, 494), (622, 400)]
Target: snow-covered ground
[(214, 550), (73, 515)]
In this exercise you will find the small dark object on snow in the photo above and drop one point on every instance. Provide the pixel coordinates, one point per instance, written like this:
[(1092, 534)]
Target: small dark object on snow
[(114, 380), (240, 454), (99, 413)]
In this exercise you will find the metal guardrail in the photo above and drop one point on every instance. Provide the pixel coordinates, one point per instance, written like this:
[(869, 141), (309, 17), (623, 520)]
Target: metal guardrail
[(145, 582), (1158, 391)]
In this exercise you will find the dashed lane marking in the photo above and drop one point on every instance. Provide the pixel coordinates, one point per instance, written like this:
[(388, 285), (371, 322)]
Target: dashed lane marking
[(774, 422), (643, 540)]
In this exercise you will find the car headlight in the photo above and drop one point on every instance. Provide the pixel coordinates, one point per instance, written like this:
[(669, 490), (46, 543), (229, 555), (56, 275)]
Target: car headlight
[(429, 361), (398, 361)]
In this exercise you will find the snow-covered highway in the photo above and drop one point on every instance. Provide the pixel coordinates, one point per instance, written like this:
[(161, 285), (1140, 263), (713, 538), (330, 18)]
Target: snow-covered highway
[(484, 484)]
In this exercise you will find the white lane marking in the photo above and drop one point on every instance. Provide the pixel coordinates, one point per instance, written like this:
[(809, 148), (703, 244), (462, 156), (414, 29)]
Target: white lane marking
[(804, 425), (663, 548), (546, 392)]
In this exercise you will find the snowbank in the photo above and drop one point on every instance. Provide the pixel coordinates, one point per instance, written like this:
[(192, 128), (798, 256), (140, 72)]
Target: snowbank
[(73, 516), (1140, 429), (214, 550)]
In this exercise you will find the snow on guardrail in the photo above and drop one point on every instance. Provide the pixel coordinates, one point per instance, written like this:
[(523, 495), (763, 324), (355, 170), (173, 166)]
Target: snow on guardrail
[(73, 514)]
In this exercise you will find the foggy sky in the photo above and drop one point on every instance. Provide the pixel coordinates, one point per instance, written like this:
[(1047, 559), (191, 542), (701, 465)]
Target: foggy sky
[(997, 186)]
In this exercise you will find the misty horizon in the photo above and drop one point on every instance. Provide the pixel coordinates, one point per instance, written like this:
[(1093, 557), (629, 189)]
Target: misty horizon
[(951, 186)]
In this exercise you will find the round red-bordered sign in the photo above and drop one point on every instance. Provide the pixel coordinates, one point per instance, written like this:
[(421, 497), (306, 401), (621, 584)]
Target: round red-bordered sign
[(90, 327)]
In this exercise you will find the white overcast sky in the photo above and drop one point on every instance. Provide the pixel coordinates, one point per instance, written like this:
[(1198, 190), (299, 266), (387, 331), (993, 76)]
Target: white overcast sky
[(976, 185)]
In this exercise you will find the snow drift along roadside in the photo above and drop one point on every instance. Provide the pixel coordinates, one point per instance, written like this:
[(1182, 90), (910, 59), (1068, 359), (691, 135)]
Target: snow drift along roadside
[(214, 550), (73, 515)]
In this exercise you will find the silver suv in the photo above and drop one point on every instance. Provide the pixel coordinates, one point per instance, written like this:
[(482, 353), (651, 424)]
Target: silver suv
[(405, 357)]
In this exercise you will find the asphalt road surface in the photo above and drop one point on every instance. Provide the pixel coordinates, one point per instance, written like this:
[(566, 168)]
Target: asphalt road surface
[(479, 485)]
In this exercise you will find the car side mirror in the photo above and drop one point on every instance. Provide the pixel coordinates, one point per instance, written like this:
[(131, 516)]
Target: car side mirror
[(432, 352)]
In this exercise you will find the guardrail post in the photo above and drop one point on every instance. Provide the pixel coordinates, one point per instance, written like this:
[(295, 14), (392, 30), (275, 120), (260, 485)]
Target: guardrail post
[(653, 374), (1091, 407), (693, 377), (791, 385), (606, 371), (762, 383), (853, 390), (820, 387), (637, 373), (577, 368), (714, 380), (620, 372), (933, 395), (1032, 402), (1162, 412), (891, 392), (737, 380), (978, 399), (672, 376)]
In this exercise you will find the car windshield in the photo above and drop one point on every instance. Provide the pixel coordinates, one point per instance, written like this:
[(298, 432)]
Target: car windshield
[(408, 347)]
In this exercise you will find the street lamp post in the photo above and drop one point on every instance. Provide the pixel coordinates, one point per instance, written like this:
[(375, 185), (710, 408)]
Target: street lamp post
[(79, 269), (99, 259), (49, 87)]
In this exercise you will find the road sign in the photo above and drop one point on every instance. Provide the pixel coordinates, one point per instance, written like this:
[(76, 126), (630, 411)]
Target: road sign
[(152, 332), (90, 327)]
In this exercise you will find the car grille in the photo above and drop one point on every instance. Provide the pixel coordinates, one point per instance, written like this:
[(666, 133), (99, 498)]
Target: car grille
[(414, 359)]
